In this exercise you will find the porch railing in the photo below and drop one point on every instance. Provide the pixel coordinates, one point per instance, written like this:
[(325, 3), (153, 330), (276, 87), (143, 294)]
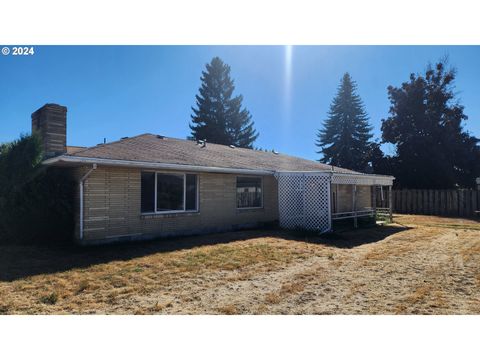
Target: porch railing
[(353, 214)]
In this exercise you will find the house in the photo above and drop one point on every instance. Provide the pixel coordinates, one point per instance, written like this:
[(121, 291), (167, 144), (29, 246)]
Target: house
[(150, 186)]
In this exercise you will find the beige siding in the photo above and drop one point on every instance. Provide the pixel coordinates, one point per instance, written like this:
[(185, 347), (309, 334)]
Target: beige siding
[(364, 197), (344, 197), (112, 207)]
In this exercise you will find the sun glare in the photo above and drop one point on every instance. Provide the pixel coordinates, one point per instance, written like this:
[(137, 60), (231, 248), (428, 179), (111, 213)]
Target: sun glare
[(288, 70), (287, 86)]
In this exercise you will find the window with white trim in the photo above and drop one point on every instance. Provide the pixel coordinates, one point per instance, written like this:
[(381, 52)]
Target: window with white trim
[(168, 192), (249, 192)]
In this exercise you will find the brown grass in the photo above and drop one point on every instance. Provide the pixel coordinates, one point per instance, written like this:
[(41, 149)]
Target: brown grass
[(228, 309), (424, 265), (276, 297), (273, 298)]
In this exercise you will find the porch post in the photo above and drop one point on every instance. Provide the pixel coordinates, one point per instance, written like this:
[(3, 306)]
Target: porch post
[(390, 202), (354, 201), (374, 200)]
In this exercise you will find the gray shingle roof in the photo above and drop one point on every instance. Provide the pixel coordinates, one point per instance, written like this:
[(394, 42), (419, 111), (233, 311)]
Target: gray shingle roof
[(157, 149)]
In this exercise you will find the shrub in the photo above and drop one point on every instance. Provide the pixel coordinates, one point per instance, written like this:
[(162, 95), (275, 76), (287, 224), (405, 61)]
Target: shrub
[(35, 201)]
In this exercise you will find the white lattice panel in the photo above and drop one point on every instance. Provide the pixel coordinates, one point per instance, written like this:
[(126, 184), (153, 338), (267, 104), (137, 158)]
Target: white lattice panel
[(304, 201)]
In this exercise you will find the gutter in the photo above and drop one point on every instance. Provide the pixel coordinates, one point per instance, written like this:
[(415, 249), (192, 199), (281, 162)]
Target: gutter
[(80, 184), (151, 165)]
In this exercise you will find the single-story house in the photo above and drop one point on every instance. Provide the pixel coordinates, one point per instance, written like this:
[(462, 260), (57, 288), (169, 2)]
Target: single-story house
[(150, 186)]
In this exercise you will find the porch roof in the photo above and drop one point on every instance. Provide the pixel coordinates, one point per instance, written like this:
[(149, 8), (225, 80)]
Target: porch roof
[(347, 178)]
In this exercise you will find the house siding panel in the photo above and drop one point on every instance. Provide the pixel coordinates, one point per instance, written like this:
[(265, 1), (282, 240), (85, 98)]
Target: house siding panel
[(345, 197), (112, 207)]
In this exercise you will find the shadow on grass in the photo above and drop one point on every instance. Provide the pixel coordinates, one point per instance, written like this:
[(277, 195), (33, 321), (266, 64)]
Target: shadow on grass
[(20, 261), (351, 238)]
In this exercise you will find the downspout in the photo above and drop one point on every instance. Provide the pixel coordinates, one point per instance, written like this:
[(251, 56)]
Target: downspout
[(80, 184)]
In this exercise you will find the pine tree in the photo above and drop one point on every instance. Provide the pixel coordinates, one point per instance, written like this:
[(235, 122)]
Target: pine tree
[(219, 118), (344, 140)]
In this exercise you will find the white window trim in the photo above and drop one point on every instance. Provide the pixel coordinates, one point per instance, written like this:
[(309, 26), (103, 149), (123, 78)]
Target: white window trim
[(236, 193), (155, 212)]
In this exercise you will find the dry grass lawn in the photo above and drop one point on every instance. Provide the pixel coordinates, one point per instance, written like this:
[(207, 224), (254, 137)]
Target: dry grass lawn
[(419, 265)]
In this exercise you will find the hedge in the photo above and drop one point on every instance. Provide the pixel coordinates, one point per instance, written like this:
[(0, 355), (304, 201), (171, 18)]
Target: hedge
[(36, 202)]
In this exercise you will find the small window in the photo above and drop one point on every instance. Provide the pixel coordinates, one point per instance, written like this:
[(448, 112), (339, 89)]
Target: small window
[(249, 192), (148, 192)]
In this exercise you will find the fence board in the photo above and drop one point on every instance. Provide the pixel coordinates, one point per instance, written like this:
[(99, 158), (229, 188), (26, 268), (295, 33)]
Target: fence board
[(467, 202), (475, 203), (443, 202), (426, 202), (430, 202), (462, 208), (461, 203), (402, 199)]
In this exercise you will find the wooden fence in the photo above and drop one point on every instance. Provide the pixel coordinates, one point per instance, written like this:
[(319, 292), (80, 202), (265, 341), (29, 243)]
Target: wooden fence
[(462, 203)]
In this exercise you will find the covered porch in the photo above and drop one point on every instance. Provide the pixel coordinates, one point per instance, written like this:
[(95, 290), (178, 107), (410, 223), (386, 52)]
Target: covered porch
[(313, 200), (360, 195)]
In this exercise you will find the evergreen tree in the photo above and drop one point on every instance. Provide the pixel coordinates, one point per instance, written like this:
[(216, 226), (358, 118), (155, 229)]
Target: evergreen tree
[(425, 124), (219, 117), (344, 140)]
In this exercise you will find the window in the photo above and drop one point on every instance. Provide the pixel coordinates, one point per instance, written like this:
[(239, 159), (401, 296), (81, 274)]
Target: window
[(148, 192), (249, 192), (191, 192), (168, 192)]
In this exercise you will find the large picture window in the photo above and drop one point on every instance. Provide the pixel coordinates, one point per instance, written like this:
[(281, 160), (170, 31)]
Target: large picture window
[(168, 192), (249, 192)]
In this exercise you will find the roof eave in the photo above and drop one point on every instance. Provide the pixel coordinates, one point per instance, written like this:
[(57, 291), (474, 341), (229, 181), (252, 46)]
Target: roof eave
[(80, 160)]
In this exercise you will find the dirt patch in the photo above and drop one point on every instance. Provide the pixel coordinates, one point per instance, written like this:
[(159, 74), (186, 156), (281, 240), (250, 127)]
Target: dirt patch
[(418, 265)]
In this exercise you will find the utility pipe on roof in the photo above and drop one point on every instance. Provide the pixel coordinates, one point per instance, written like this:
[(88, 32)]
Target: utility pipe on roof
[(82, 180)]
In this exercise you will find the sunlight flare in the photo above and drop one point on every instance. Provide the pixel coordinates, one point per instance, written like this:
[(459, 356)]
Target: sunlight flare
[(287, 93)]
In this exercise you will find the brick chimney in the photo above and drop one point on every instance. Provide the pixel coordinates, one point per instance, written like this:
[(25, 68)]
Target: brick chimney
[(50, 121)]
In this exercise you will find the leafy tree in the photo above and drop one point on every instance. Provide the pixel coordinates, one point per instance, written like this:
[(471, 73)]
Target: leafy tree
[(380, 163), (36, 203), (219, 117), (425, 124), (345, 137)]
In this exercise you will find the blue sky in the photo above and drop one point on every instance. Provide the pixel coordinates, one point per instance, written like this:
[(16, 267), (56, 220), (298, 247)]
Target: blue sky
[(116, 91)]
